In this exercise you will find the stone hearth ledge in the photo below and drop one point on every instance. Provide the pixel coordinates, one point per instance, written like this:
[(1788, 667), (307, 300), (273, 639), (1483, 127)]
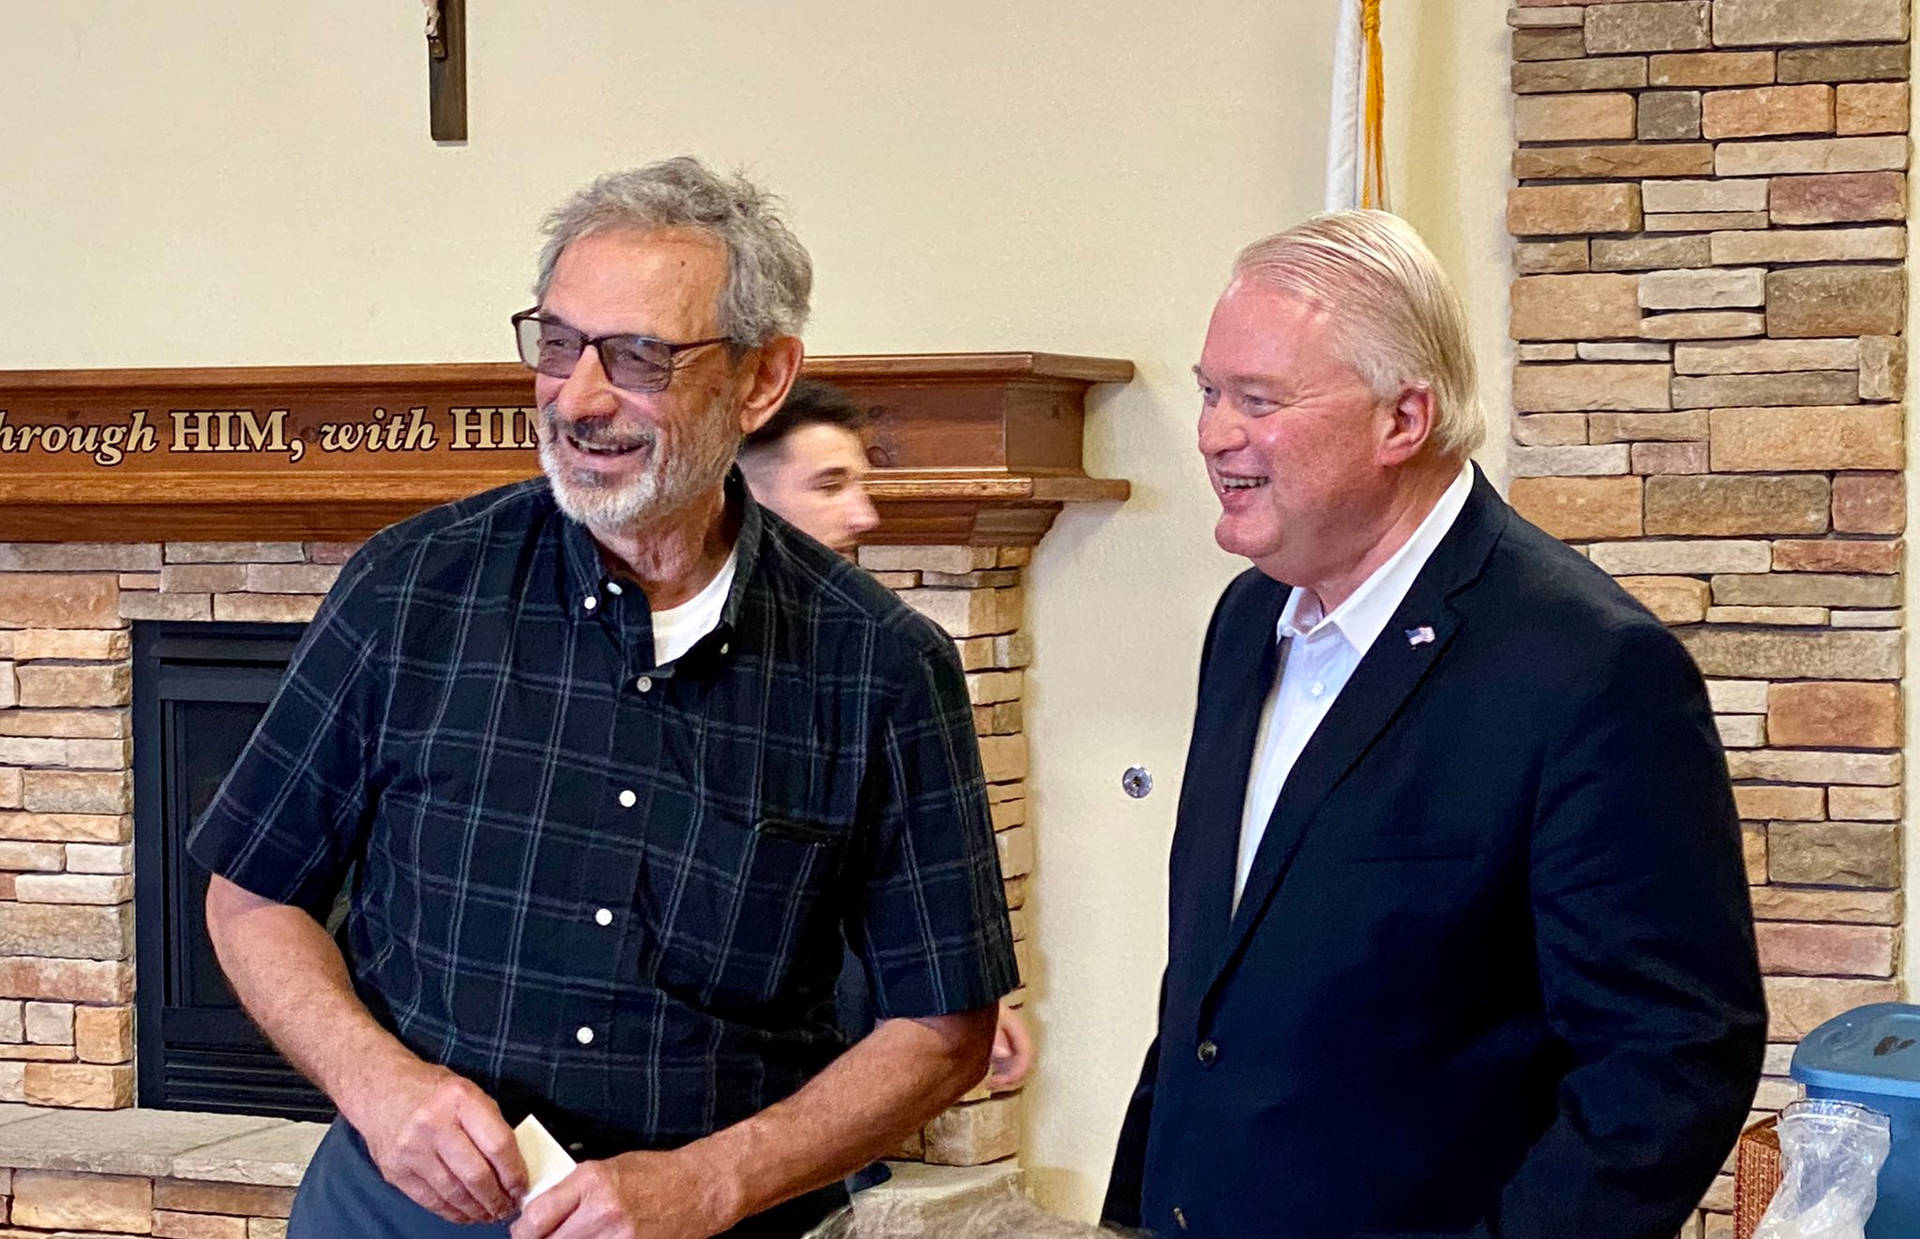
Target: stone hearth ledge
[(177, 1144), (273, 1152)]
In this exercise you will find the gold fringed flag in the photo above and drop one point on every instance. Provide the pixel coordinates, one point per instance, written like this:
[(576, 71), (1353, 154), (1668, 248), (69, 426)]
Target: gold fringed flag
[(1356, 145)]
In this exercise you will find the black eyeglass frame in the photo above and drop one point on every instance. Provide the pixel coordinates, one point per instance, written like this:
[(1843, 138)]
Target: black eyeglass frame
[(633, 342)]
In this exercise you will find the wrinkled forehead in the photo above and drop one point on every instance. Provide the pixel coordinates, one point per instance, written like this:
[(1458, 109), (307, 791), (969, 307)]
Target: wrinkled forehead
[(673, 276)]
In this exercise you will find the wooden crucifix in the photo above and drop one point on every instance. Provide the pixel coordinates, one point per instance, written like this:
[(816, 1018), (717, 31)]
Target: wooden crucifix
[(447, 69)]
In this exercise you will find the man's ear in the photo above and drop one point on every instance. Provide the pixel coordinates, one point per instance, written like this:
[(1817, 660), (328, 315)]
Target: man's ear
[(1410, 426), (776, 364)]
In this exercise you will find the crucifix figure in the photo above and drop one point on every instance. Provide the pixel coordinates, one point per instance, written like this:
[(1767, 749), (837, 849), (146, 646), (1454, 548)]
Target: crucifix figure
[(447, 69)]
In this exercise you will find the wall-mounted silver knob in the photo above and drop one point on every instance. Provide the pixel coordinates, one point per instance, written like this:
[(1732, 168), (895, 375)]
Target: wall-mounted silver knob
[(1137, 782)]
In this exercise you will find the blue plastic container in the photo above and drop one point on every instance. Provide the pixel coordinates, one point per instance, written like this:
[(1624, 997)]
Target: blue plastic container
[(1871, 1055)]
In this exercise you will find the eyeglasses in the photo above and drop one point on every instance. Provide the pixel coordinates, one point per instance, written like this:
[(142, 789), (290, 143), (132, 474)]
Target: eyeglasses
[(631, 363)]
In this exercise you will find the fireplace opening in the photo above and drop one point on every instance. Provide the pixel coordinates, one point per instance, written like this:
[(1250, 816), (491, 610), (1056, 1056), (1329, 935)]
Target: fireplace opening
[(198, 690)]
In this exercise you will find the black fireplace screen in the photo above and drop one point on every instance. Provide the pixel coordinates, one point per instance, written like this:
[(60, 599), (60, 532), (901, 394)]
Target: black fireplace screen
[(198, 690)]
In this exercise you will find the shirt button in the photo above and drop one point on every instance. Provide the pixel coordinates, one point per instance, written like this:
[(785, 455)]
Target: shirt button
[(1179, 1217), (1319, 686), (724, 647), (603, 917), (583, 1035), (589, 602), (575, 1147), (628, 799), (644, 683), (613, 587), (1207, 1052)]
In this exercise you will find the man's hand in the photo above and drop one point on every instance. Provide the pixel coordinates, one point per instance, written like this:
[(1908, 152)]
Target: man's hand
[(1012, 1051), (438, 1138), (434, 1135), (676, 1195), (900, 1075)]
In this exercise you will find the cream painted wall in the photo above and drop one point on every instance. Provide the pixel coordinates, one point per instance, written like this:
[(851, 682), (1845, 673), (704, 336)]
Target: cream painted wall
[(205, 183), (1450, 138)]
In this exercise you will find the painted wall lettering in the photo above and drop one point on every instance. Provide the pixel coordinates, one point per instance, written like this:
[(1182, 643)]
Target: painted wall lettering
[(492, 429), (108, 444), (107, 439), (380, 433), (233, 430)]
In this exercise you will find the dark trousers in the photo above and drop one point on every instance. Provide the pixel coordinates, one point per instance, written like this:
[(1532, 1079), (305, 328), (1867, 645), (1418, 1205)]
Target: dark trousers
[(342, 1196)]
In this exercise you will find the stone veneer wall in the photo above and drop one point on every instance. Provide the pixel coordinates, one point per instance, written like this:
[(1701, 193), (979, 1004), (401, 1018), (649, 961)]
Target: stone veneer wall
[(58, 1203), (66, 785), (55, 1203), (66, 885), (1709, 314)]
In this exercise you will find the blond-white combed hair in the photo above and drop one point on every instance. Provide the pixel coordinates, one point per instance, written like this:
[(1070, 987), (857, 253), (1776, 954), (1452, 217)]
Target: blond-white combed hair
[(1397, 319)]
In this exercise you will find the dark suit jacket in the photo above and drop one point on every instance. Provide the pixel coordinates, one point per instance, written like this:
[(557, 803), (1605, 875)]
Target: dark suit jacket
[(1493, 972)]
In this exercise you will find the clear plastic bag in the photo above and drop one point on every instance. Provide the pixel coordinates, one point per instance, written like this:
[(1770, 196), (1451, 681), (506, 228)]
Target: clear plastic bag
[(1831, 1152)]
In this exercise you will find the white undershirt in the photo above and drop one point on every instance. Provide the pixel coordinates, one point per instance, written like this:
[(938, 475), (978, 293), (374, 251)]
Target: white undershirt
[(1318, 656), (677, 629)]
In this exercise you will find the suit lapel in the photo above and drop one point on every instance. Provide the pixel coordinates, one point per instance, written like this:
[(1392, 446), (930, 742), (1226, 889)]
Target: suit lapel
[(1400, 658), (1239, 672)]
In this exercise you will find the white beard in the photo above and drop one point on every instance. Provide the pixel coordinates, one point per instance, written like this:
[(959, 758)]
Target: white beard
[(670, 481)]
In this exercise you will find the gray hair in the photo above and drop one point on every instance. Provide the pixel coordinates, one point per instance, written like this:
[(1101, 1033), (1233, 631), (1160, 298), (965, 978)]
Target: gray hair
[(769, 276), (1397, 319)]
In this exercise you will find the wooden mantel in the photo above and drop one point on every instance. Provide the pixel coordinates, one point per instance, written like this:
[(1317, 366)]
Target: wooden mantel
[(970, 448)]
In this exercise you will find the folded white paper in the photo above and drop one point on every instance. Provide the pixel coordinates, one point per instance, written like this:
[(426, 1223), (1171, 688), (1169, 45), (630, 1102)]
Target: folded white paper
[(547, 1162)]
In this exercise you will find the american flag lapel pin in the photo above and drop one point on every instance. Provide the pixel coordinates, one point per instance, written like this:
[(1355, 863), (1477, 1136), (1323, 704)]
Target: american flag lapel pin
[(1422, 635)]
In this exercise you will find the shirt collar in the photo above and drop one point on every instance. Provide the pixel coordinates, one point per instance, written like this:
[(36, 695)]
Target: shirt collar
[(1365, 612), (587, 575), (747, 548)]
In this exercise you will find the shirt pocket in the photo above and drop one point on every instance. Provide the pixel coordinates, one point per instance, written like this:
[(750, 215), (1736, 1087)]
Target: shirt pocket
[(737, 904)]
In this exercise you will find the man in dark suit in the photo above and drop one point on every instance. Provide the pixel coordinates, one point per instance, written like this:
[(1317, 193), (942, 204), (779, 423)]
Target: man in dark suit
[(1460, 942)]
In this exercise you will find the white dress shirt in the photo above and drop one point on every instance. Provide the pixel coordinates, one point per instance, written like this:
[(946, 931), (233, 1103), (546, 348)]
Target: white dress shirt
[(1318, 654)]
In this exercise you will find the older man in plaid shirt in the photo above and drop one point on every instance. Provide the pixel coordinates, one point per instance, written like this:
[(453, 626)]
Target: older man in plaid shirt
[(615, 758)]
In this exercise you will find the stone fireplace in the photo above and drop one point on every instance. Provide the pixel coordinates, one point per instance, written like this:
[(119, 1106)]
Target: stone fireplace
[(976, 455), (199, 689)]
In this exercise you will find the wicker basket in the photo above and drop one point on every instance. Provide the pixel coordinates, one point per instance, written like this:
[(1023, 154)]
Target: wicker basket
[(1756, 1175)]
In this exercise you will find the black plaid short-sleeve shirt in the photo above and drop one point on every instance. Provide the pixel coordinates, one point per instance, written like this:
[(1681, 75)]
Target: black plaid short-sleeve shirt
[(612, 893)]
